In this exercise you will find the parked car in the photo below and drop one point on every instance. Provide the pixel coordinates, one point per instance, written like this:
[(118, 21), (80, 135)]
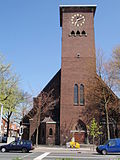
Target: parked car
[(72, 145), (20, 145), (110, 146)]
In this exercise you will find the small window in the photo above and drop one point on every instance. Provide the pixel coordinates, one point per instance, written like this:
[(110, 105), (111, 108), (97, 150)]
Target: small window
[(78, 33), (81, 94), (50, 132), (13, 143), (24, 142), (75, 94), (28, 142), (18, 142), (21, 142), (72, 33), (78, 55), (112, 143)]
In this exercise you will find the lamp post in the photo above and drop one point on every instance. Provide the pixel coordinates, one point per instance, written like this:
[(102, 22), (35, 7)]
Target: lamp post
[(1, 120)]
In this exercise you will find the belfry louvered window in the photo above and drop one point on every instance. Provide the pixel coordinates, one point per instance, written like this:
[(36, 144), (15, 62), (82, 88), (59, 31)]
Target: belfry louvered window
[(75, 94), (81, 94)]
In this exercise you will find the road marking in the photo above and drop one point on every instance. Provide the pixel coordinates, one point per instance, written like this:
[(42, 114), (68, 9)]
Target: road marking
[(42, 156)]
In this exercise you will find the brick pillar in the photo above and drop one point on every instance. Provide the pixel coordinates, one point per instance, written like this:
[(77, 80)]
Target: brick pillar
[(50, 133)]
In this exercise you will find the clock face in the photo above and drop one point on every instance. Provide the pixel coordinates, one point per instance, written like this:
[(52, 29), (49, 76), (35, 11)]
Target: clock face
[(78, 20)]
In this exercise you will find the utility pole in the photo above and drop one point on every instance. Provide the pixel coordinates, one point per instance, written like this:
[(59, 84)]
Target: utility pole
[(1, 121)]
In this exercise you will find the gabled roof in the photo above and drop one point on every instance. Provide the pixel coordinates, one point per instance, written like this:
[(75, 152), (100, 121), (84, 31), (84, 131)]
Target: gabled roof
[(48, 120), (33, 111)]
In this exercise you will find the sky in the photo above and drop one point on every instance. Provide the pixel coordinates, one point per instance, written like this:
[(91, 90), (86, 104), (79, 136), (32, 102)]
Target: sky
[(30, 36)]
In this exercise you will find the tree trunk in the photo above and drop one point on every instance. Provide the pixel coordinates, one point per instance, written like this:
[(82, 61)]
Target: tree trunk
[(107, 122), (38, 123), (37, 135), (8, 124), (93, 142), (37, 128)]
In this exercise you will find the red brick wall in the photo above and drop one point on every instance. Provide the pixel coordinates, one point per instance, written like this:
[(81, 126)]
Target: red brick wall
[(50, 139), (75, 70)]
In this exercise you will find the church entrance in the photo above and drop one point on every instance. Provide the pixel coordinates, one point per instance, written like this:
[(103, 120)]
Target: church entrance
[(79, 137), (80, 132)]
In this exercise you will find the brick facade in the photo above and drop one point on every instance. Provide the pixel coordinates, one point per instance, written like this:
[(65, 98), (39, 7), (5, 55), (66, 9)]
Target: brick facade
[(78, 67)]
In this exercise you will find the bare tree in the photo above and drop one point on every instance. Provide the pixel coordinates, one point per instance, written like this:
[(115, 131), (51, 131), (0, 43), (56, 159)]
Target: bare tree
[(104, 99), (106, 72), (99, 62), (44, 103), (23, 108), (115, 64), (65, 131)]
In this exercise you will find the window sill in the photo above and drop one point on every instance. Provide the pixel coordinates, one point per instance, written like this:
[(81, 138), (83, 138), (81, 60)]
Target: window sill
[(76, 104), (79, 104), (82, 104)]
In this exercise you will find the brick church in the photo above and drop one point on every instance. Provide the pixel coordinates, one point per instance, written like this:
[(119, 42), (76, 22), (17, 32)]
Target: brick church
[(76, 89)]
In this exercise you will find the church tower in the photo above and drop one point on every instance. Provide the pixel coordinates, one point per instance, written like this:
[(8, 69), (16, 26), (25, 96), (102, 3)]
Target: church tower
[(78, 65)]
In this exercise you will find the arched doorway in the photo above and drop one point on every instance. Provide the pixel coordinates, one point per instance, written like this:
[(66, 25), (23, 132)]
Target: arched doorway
[(80, 132)]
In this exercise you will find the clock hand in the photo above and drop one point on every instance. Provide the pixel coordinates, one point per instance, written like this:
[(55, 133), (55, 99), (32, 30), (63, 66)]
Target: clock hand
[(78, 19)]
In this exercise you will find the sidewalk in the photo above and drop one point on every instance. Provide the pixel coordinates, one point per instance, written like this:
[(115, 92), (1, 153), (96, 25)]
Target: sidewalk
[(64, 149)]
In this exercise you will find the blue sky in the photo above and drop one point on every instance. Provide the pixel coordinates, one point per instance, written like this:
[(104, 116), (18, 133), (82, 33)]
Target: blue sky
[(30, 36)]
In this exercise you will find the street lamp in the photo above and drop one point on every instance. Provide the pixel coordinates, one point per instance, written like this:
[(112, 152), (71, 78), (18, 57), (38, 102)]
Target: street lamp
[(1, 120)]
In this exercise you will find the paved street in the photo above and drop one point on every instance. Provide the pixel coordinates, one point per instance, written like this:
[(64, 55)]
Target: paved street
[(78, 156), (53, 154)]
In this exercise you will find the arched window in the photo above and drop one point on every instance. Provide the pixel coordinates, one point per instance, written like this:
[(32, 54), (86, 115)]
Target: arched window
[(72, 33), (76, 94), (83, 33), (81, 94), (50, 132), (78, 33)]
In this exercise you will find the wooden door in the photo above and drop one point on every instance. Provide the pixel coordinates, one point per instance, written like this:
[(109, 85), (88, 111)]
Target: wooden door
[(79, 137)]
